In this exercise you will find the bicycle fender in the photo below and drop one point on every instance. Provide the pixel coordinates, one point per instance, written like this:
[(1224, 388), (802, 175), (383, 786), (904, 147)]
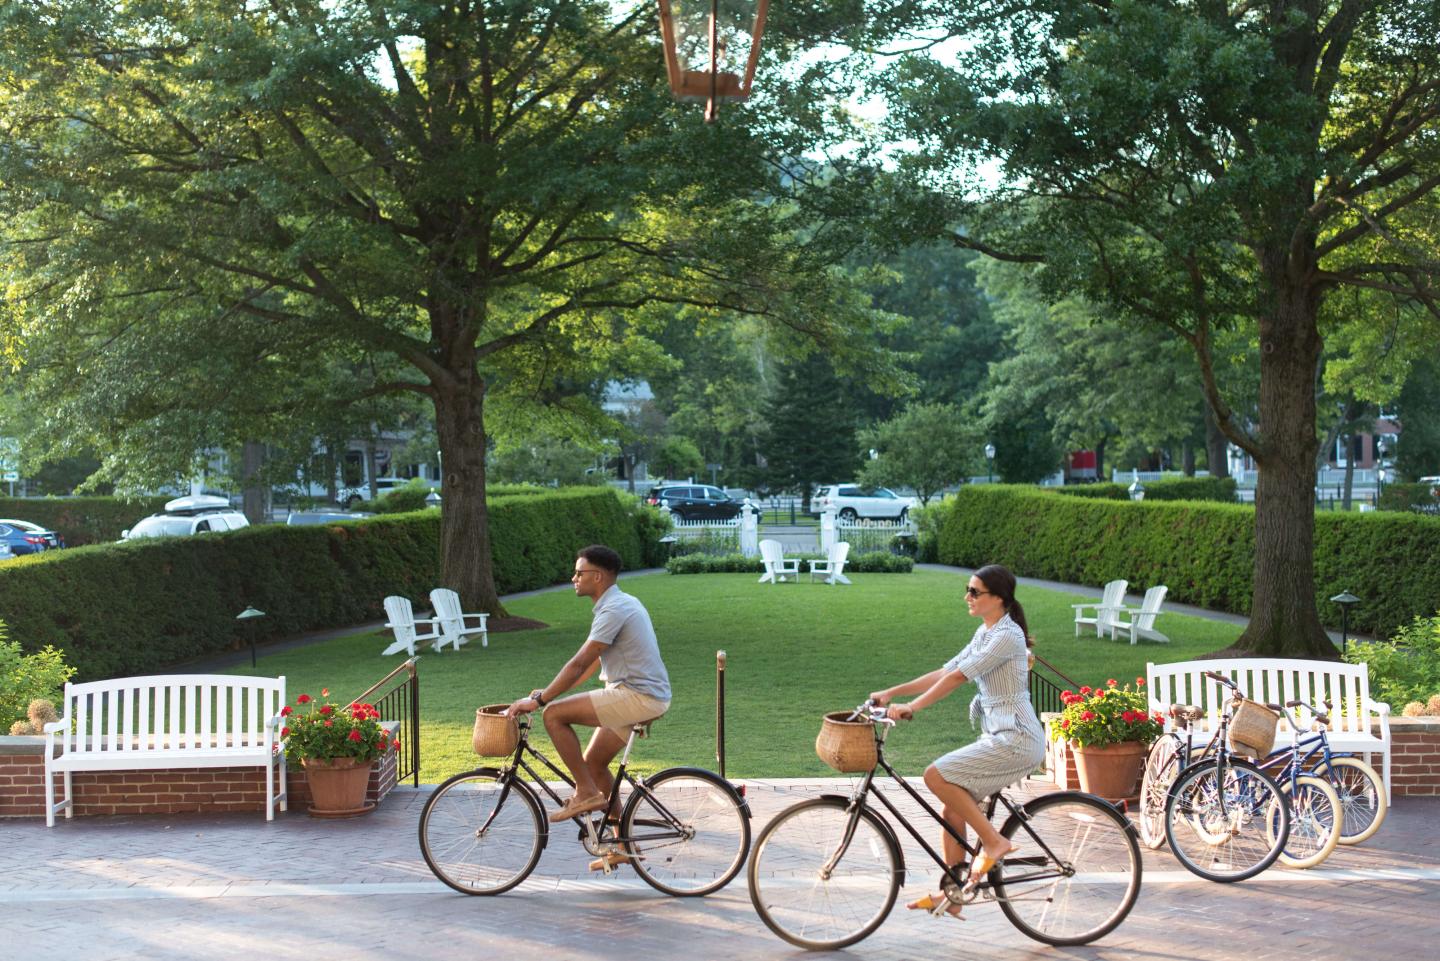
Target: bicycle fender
[(702, 772), (884, 826)]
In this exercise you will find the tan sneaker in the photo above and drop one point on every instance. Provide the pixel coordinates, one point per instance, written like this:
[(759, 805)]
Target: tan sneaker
[(611, 860), (577, 806)]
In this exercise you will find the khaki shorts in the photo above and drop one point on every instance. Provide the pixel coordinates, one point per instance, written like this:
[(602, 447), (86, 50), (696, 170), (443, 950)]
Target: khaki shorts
[(620, 708)]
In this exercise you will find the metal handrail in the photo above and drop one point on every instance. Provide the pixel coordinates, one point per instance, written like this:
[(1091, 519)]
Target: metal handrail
[(402, 704)]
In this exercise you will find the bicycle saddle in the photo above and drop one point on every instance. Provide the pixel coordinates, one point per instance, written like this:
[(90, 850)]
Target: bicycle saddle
[(1186, 712)]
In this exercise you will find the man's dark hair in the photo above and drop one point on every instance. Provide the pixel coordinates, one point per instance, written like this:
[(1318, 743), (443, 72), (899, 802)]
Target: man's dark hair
[(602, 557)]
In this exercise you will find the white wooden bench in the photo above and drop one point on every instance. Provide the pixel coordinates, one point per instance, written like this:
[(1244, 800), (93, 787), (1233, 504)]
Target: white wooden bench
[(167, 721), (1277, 680)]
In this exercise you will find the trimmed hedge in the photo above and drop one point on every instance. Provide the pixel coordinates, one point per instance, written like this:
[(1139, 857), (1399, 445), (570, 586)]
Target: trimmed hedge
[(1409, 497), (1218, 489), (142, 606), (870, 563), (1203, 552), (82, 520)]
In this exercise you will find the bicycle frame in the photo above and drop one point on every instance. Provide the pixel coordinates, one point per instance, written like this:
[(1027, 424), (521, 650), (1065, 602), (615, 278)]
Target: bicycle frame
[(605, 834), (863, 792)]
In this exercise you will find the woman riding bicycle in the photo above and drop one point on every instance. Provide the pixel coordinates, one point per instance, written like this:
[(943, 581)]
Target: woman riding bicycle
[(1012, 742)]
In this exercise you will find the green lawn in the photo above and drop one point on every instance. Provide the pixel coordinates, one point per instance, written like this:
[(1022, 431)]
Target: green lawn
[(794, 652)]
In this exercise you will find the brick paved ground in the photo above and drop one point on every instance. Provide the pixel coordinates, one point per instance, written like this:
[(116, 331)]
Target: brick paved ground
[(233, 886)]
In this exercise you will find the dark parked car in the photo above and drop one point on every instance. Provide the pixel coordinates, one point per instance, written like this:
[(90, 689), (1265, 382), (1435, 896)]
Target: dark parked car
[(27, 538), (693, 502)]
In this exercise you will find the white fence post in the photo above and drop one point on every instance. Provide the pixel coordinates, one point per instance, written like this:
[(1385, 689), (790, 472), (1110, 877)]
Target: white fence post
[(749, 530), (827, 531)]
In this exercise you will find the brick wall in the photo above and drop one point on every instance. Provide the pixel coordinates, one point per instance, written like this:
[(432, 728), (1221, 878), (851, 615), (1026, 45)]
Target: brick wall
[(1414, 758), (166, 791)]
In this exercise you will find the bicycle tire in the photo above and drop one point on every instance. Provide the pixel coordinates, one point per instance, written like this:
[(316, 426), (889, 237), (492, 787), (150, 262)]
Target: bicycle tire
[(1219, 830), (1162, 767), (1362, 796), (707, 859), (1098, 875), (1315, 815), (802, 905), (508, 850)]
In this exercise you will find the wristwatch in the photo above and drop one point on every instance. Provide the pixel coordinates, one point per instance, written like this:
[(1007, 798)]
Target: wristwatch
[(538, 698)]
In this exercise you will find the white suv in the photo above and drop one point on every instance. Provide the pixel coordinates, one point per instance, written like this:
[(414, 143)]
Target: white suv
[(852, 501), (184, 516)]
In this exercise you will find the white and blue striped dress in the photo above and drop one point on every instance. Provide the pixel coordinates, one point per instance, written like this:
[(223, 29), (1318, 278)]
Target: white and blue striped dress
[(1012, 742)]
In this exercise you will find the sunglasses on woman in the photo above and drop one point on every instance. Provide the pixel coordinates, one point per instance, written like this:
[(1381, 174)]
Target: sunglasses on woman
[(971, 592)]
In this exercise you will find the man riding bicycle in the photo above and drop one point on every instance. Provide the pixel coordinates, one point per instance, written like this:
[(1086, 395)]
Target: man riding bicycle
[(622, 643)]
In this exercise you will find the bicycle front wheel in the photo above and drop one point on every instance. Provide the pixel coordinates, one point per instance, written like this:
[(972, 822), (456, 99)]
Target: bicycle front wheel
[(481, 832), (823, 878), (1314, 821), (1077, 873), (1162, 766), (1222, 827), (688, 831), (1362, 797)]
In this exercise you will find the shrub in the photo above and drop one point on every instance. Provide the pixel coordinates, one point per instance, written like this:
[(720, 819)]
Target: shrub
[(82, 520), (1103, 491), (133, 608), (406, 499), (27, 678), (1419, 498), (740, 564), (1219, 489), (1203, 552), (927, 521), (1407, 666)]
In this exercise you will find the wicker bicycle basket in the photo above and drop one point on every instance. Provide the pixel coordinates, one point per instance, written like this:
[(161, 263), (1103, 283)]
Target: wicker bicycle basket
[(495, 735), (847, 746), (1252, 729)]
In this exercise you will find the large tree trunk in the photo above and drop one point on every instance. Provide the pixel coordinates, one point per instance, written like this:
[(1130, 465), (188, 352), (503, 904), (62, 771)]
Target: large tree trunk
[(1283, 620), (255, 493), (1216, 446), (465, 556)]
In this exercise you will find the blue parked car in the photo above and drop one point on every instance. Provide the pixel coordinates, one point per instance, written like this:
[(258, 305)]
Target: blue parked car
[(24, 537)]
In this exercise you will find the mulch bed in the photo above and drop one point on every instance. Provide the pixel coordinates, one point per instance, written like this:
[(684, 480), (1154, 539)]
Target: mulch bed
[(502, 625)]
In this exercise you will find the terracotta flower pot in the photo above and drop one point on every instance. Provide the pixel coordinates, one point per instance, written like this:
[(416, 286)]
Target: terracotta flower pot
[(337, 786), (1111, 771)]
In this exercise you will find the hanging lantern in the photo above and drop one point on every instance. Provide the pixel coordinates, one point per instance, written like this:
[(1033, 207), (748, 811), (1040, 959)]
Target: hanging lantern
[(711, 48)]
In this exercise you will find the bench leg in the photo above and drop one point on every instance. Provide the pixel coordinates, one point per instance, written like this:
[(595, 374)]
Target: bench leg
[(284, 785), (269, 792), (49, 797), (484, 638), (69, 797)]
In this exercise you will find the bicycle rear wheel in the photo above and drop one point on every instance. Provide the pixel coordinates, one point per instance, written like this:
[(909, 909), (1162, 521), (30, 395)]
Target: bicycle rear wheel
[(1220, 827), (1162, 766), (819, 886), (1084, 885), (481, 832), (1315, 816), (688, 830), (1362, 797)]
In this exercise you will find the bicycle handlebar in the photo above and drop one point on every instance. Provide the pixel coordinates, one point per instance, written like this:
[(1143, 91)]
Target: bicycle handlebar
[(875, 712), (1322, 716)]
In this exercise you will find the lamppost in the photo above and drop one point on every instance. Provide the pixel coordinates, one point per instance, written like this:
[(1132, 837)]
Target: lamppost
[(1137, 489), (710, 53), (432, 499), (989, 463), (1381, 449), (249, 614), (1345, 599)]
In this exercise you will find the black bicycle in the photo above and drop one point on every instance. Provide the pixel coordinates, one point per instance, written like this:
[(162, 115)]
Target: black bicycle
[(685, 830), (825, 872)]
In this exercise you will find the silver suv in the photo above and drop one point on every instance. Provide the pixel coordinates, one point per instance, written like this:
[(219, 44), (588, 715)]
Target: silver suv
[(851, 501), (184, 516)]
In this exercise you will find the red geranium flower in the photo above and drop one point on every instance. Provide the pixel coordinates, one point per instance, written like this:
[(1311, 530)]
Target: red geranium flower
[(324, 692), (284, 732), (1139, 682), (356, 736), (1065, 723), (1088, 716), (1085, 690), (303, 699), (1110, 683), (329, 723), (286, 711), (327, 710)]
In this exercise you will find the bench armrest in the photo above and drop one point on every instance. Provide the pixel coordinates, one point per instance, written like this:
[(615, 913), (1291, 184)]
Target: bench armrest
[(54, 727), (483, 618)]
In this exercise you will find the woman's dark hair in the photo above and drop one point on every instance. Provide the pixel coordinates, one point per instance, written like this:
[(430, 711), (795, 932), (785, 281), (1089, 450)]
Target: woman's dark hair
[(999, 581), (607, 559)]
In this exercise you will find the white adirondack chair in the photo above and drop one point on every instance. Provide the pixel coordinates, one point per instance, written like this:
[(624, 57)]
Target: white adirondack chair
[(406, 625), (833, 565), (1112, 598), (1139, 622), (777, 568), (452, 618)]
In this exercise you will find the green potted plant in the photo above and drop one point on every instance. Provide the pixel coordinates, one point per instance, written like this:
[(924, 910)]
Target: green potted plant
[(1109, 730), (337, 746)]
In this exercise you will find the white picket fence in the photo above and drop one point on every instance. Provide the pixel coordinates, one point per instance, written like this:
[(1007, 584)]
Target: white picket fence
[(739, 535), (863, 536)]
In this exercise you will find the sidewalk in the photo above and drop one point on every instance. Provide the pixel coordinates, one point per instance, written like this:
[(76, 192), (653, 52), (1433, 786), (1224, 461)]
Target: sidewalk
[(233, 886)]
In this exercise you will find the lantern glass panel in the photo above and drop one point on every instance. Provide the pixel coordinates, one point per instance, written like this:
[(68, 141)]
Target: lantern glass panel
[(735, 23)]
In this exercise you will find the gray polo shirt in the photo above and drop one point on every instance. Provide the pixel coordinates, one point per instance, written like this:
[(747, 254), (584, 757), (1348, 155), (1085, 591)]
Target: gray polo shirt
[(632, 654)]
